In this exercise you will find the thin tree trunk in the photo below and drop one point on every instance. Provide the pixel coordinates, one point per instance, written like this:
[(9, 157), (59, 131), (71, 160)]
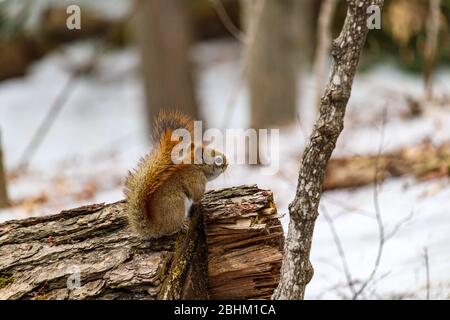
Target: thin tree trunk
[(432, 31), (273, 58), (297, 270), (4, 201), (164, 34)]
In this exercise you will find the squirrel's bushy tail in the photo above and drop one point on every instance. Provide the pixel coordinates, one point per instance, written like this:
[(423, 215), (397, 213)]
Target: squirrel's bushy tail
[(169, 121), (152, 171)]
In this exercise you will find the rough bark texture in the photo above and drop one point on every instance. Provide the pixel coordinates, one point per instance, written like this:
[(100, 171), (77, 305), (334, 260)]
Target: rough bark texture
[(163, 31), (40, 258), (297, 270), (4, 202), (245, 242), (273, 58)]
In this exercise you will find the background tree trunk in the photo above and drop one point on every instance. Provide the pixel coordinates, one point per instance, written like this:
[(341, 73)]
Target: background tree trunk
[(431, 45), (274, 57), (4, 201), (89, 253), (164, 34), (297, 270)]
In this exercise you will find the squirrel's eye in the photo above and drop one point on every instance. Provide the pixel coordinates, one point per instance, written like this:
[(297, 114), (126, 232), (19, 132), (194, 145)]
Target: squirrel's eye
[(218, 161)]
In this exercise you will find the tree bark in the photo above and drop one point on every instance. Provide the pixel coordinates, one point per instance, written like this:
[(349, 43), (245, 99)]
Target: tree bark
[(43, 258), (40, 256), (297, 270), (274, 57), (4, 200), (163, 31)]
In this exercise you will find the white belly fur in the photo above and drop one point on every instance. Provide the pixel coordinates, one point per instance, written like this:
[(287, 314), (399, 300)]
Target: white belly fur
[(187, 206)]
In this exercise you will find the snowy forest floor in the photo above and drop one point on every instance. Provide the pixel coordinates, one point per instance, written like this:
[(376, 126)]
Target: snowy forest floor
[(100, 135)]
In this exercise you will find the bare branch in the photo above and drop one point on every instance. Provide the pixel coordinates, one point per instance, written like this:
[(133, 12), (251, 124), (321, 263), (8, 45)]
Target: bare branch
[(427, 269), (226, 20), (49, 119), (348, 207), (381, 232), (297, 270), (340, 250), (399, 225)]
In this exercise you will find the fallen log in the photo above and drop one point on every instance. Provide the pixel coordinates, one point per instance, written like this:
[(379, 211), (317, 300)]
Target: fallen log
[(90, 253), (424, 161)]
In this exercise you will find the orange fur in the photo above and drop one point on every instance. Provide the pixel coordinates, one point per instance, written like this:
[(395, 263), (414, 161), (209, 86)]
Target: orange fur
[(162, 167), (156, 191)]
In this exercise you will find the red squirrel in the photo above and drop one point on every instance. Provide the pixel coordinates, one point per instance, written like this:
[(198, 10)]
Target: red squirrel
[(159, 192)]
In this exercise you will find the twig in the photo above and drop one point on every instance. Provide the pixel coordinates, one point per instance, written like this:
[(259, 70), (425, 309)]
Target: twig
[(399, 225), (340, 249), (427, 269), (346, 206), (372, 287), (49, 119), (379, 219), (226, 21), (56, 108)]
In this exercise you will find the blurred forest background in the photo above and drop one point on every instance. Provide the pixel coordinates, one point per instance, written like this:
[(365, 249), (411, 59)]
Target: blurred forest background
[(76, 109)]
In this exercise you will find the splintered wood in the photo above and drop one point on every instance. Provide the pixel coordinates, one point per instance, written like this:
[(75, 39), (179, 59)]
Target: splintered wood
[(245, 241)]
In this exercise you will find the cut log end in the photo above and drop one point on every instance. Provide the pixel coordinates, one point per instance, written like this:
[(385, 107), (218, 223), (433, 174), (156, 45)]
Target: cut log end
[(245, 241)]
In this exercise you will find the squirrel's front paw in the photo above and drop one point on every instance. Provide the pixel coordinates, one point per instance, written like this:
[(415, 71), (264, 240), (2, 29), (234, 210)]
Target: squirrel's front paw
[(185, 226)]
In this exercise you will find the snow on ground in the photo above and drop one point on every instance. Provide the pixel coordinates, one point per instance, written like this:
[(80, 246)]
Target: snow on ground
[(100, 135)]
